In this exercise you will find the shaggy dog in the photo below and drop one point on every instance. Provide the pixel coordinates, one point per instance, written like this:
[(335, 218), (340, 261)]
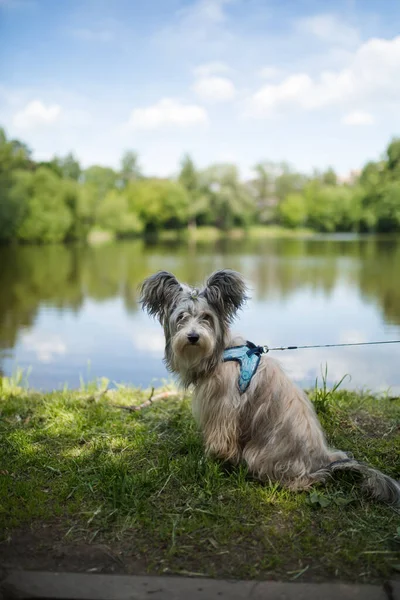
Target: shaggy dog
[(272, 425)]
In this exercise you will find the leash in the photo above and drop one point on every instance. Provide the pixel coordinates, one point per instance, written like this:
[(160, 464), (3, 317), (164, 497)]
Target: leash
[(266, 349)]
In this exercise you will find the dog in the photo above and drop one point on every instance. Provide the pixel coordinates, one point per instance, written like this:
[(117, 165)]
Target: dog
[(251, 413)]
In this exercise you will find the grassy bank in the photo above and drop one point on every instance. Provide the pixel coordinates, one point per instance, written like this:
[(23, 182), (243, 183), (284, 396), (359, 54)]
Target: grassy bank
[(87, 485), (211, 234)]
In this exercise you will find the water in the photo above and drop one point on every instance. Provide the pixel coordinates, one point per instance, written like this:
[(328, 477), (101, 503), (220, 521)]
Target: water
[(71, 312)]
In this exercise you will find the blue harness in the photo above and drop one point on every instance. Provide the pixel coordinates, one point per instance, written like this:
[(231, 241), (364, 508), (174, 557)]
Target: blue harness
[(248, 357)]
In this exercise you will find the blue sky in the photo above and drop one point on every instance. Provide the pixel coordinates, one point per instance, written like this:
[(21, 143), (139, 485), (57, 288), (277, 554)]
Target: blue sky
[(313, 83)]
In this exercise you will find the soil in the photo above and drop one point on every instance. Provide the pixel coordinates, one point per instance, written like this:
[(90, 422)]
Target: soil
[(44, 548)]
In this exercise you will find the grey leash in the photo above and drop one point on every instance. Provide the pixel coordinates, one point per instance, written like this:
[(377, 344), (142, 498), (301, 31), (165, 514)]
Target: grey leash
[(266, 349)]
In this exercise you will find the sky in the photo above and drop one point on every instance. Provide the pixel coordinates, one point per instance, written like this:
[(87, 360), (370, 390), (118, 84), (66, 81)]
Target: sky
[(313, 83)]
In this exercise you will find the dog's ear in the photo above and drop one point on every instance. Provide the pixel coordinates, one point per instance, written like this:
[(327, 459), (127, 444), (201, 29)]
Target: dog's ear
[(159, 294), (226, 292)]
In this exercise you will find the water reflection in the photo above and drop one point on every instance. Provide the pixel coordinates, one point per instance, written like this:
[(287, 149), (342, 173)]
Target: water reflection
[(63, 306)]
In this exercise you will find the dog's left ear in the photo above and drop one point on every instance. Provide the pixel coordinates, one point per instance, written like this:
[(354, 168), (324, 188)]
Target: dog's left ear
[(226, 292), (159, 294)]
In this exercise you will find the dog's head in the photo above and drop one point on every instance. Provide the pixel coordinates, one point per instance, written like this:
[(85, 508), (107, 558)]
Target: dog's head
[(195, 322)]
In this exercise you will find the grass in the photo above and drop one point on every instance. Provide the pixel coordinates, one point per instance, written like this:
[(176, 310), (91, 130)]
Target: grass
[(138, 482), (209, 234), (255, 232)]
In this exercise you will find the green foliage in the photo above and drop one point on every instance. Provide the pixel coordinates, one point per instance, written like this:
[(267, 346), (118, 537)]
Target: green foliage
[(55, 201), (225, 200), (103, 179), (293, 210), (329, 177), (333, 208), (114, 215), (46, 217), (69, 167), (389, 207), (14, 157), (189, 179), (130, 169), (159, 203), (393, 158)]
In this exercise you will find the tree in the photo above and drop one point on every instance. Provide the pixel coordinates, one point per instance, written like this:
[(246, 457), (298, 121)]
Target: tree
[(229, 201), (293, 210), (159, 203), (52, 165), (46, 216), (188, 176), (69, 167), (273, 182), (263, 181), (130, 169), (329, 177), (393, 158), (333, 208), (389, 207), (114, 215), (189, 179), (14, 156), (263, 191), (102, 178), (288, 181)]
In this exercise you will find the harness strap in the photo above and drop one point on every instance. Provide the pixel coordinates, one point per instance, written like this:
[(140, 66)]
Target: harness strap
[(248, 356)]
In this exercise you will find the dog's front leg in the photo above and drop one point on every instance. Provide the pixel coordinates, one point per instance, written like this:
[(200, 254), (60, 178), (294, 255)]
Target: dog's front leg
[(218, 419)]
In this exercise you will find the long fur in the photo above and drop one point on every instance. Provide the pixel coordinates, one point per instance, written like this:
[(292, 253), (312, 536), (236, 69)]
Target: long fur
[(273, 426)]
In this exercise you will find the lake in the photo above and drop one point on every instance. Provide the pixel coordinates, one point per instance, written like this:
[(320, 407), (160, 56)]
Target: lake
[(70, 313)]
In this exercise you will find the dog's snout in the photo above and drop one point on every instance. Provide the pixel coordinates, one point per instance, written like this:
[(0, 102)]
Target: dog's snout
[(193, 337)]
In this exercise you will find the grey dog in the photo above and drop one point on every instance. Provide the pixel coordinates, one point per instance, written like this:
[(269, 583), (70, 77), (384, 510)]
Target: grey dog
[(272, 425)]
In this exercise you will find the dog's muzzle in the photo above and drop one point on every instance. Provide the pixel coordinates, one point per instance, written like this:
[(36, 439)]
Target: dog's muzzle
[(193, 337)]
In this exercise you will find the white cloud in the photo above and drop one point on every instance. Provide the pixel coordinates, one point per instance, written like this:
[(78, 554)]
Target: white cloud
[(151, 340), (351, 336), (214, 89), (199, 26), (370, 77), (167, 112), (269, 72), (45, 346), (203, 11), (37, 114), (93, 35), (358, 117), (330, 29)]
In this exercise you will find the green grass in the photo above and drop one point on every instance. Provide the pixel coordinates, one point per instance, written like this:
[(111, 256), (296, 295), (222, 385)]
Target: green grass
[(139, 482), (212, 234)]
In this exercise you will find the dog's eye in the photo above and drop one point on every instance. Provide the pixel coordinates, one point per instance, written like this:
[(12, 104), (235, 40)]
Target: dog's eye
[(180, 317), (208, 319)]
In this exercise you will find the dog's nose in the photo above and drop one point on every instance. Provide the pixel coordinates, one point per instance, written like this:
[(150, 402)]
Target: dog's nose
[(193, 337)]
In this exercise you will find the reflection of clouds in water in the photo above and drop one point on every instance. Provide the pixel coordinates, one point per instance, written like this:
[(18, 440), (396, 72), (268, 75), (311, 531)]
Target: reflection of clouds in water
[(352, 337), (303, 292), (149, 340), (362, 365), (45, 346)]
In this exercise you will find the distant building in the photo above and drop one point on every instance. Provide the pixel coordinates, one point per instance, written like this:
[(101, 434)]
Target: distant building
[(350, 178)]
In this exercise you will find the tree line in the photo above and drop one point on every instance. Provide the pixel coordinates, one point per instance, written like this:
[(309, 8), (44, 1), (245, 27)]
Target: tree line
[(59, 201)]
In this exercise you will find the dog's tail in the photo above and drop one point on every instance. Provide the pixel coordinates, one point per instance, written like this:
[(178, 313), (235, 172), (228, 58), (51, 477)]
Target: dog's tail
[(375, 483)]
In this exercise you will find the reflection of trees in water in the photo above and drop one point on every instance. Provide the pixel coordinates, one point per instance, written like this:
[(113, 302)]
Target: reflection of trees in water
[(30, 277), (379, 278), (62, 276)]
